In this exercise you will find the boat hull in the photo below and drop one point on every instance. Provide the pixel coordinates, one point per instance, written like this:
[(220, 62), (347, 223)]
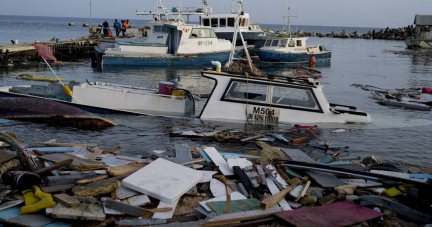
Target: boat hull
[(46, 111), (163, 60), (281, 57)]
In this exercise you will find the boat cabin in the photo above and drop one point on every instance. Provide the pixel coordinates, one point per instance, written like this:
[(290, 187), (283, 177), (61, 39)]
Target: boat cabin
[(293, 44), (224, 20), (271, 99)]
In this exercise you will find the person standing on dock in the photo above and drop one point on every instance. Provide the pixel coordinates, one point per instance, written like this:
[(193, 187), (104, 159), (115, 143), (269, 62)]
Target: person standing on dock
[(117, 27), (105, 28), (125, 26)]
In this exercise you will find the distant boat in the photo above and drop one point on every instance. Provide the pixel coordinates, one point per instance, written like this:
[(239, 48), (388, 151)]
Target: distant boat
[(100, 97), (271, 99), (46, 111)]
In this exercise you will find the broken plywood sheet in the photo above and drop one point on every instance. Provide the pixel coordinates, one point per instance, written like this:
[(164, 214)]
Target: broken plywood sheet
[(10, 204), (108, 210), (87, 211), (216, 157), (163, 180), (333, 215), (236, 206), (297, 155), (31, 220), (325, 180), (124, 192), (217, 188), (138, 200), (166, 214), (234, 196)]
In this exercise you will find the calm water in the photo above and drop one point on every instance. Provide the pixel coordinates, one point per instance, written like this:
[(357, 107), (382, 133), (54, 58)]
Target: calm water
[(394, 135)]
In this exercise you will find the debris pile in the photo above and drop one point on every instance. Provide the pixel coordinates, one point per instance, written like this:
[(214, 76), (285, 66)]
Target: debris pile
[(82, 184)]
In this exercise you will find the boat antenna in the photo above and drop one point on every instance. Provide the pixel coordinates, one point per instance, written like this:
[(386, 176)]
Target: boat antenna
[(232, 6), (289, 22), (234, 40)]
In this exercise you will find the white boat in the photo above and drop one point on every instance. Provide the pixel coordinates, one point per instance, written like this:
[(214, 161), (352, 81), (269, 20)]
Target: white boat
[(168, 43), (272, 99), (101, 97)]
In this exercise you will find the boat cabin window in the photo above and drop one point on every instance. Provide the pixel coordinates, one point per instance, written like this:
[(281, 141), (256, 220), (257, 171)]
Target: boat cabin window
[(291, 43), (283, 43), (206, 22), (231, 22), (222, 22), (294, 97), (251, 92), (275, 43), (299, 43), (161, 29), (268, 43), (215, 22), (202, 33)]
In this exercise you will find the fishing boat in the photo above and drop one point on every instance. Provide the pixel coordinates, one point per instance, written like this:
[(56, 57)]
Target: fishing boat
[(46, 111), (168, 43), (271, 99), (98, 97), (289, 49)]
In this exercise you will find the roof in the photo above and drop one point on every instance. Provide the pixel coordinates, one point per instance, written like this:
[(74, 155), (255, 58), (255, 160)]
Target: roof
[(423, 19)]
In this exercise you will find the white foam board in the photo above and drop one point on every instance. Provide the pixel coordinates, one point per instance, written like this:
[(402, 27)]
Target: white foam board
[(208, 175), (240, 162), (218, 160), (273, 190), (138, 200), (163, 180), (217, 188)]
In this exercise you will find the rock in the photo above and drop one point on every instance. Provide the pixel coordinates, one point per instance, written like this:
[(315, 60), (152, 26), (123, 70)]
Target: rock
[(346, 189), (370, 161), (308, 200), (71, 24), (86, 25)]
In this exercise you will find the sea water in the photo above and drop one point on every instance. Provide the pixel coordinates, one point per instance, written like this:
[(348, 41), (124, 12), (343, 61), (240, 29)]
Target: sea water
[(394, 135)]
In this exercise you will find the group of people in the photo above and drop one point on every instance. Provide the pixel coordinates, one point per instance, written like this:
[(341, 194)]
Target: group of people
[(118, 26)]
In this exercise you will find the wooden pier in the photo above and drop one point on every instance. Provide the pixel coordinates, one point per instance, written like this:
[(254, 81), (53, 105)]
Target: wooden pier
[(70, 50)]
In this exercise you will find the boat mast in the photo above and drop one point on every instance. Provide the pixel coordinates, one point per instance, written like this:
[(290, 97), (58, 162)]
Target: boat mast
[(289, 21), (232, 6)]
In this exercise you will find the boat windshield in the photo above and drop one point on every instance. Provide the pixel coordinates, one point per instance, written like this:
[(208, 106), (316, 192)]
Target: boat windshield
[(247, 91), (202, 33), (293, 97), (268, 42)]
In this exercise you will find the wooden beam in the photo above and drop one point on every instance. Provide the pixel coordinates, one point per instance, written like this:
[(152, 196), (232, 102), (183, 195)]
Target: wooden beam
[(97, 178), (194, 161), (272, 200), (111, 150), (54, 167), (62, 144), (97, 152), (67, 200)]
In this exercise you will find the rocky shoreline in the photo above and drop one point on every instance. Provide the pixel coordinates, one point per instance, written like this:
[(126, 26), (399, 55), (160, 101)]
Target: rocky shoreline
[(388, 34)]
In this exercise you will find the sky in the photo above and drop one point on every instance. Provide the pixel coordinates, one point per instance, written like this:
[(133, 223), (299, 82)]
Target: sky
[(345, 13)]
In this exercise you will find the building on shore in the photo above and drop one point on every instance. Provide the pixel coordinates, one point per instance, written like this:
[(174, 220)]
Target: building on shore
[(422, 32)]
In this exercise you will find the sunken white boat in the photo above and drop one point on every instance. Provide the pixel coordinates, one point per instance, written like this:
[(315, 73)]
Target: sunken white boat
[(98, 97), (271, 99)]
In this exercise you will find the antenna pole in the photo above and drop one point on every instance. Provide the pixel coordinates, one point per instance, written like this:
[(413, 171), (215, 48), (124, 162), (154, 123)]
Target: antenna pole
[(90, 19)]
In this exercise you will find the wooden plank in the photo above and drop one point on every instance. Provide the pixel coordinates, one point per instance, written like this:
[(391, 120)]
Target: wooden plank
[(67, 200), (92, 179), (219, 161), (69, 179), (138, 200), (222, 220), (132, 159), (236, 206), (9, 204), (166, 214), (55, 166), (58, 188), (333, 215), (272, 200), (241, 162), (132, 210), (194, 161), (169, 181), (234, 196), (86, 211), (63, 144), (125, 169), (274, 190), (303, 192), (295, 193), (77, 161), (109, 151), (274, 174), (97, 152)]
